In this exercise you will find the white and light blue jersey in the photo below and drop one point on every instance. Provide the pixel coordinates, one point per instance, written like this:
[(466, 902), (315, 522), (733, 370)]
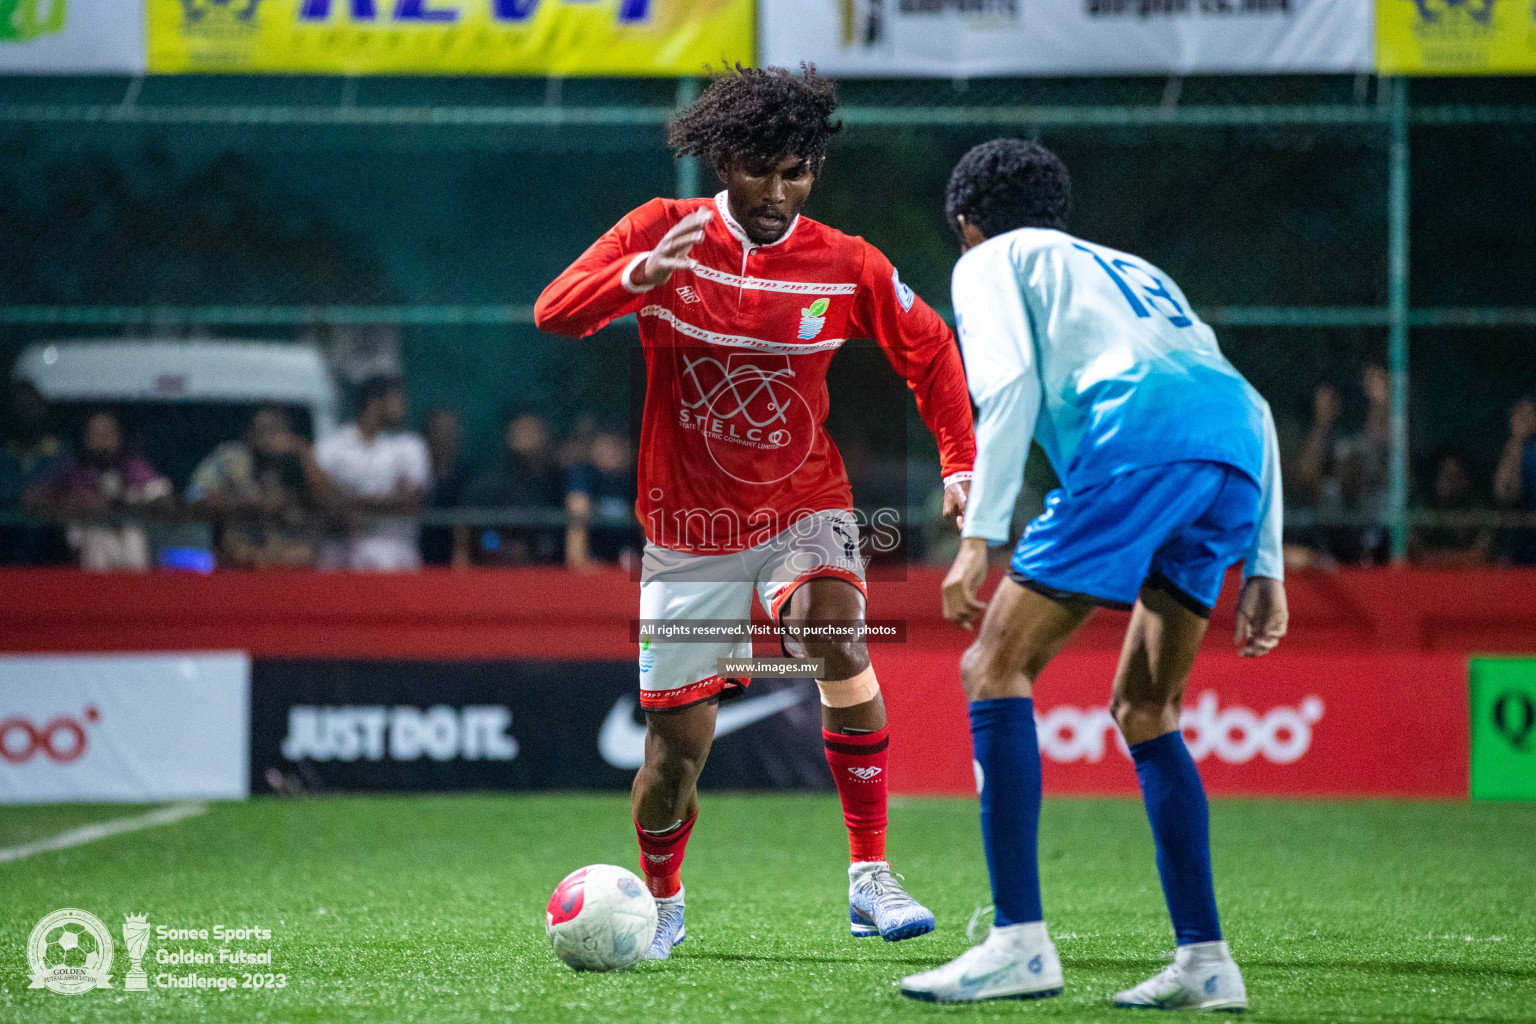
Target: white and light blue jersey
[(1097, 355)]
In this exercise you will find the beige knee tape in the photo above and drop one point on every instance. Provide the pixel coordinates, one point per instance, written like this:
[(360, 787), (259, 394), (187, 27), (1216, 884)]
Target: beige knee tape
[(845, 693)]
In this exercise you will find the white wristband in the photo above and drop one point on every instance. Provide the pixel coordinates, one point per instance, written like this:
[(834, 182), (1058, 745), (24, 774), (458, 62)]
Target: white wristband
[(630, 269)]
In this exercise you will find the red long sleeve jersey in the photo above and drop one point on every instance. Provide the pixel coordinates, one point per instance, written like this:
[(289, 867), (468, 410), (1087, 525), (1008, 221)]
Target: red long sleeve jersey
[(733, 446)]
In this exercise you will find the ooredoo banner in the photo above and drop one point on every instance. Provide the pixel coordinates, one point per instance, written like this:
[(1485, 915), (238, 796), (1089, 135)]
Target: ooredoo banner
[(449, 37), (127, 728), (71, 37), (966, 38), (1285, 725)]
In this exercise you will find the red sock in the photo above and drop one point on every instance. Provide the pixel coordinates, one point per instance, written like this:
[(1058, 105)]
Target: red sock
[(661, 857), (858, 768)]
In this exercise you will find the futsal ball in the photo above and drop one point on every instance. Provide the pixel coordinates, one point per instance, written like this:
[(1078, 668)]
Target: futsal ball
[(600, 918)]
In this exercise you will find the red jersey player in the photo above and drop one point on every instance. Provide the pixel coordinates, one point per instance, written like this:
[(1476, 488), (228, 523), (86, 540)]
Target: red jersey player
[(742, 303)]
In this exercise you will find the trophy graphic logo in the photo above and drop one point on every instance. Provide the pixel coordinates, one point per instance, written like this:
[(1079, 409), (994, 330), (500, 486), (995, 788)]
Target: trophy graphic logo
[(136, 938)]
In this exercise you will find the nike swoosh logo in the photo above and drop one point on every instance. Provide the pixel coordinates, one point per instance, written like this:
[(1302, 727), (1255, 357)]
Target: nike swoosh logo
[(621, 741)]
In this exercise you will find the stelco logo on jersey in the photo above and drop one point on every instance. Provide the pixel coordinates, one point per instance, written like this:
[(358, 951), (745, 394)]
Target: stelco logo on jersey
[(757, 428)]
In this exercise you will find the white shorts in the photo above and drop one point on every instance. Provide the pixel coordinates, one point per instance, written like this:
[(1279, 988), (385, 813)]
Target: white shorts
[(675, 586)]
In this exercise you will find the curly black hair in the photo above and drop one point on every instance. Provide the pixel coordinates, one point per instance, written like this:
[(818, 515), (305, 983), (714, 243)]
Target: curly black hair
[(1006, 184), (754, 117)]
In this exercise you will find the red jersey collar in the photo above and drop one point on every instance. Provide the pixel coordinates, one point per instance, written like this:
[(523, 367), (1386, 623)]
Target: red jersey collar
[(723, 204)]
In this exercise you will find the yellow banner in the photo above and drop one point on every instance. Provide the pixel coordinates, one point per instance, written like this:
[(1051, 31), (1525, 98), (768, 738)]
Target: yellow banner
[(1455, 37), (449, 37)]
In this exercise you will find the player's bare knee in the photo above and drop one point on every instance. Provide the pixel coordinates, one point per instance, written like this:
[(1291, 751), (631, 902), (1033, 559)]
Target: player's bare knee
[(973, 670), (1142, 718), (983, 677), (843, 659)]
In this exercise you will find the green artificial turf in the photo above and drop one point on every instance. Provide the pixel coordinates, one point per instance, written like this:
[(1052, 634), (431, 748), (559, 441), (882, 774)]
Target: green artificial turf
[(431, 909)]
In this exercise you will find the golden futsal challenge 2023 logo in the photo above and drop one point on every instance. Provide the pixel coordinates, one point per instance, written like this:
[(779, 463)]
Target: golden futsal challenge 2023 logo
[(70, 952)]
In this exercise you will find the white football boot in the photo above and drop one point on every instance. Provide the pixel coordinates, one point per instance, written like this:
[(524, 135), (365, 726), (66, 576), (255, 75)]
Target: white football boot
[(878, 905), (669, 926), (1016, 961), (1201, 977)]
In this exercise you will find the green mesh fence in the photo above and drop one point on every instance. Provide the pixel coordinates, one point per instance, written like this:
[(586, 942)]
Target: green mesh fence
[(1318, 222)]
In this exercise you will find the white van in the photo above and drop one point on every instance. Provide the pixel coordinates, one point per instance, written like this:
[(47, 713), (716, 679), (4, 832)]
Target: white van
[(177, 401), (214, 387)]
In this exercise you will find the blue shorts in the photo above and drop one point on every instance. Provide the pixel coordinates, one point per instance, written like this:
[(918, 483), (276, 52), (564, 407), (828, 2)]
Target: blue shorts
[(1174, 527)]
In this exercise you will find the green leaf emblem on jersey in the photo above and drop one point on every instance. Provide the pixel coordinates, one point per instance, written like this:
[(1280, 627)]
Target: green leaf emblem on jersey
[(817, 308)]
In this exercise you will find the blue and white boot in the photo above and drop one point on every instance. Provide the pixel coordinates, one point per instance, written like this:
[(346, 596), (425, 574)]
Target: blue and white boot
[(669, 926), (1016, 961), (878, 905), (1202, 977)]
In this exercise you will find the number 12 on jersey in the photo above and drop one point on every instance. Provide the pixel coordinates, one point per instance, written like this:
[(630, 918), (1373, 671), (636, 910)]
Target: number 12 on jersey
[(1150, 284)]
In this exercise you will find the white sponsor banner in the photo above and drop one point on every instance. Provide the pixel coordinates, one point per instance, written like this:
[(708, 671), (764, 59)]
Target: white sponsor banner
[(72, 37), (124, 728), (972, 38)]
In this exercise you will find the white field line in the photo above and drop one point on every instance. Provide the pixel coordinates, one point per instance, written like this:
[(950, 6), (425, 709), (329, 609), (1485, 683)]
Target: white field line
[(102, 830)]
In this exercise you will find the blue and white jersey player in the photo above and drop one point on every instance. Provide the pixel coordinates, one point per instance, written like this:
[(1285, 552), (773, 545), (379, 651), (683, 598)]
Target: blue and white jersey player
[(1170, 474)]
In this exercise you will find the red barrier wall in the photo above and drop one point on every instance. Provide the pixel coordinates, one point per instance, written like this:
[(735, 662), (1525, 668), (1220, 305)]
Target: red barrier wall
[(550, 613), (1368, 695)]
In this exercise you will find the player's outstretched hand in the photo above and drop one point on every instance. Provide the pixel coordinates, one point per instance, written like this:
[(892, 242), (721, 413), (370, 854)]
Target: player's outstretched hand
[(671, 253), (1261, 616), (966, 575), (956, 496)]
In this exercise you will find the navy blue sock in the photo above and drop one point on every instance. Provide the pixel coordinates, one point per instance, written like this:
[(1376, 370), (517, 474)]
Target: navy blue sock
[(1008, 760), (1181, 827)]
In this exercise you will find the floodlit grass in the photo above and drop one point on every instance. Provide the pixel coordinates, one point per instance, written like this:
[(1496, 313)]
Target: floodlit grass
[(431, 909)]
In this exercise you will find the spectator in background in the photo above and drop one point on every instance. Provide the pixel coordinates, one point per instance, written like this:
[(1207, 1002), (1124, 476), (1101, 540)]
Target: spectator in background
[(446, 545), (527, 477), (28, 453), (262, 492), (1341, 472), (602, 486), (93, 489), (1514, 481), (382, 474), (1451, 490), (575, 448)]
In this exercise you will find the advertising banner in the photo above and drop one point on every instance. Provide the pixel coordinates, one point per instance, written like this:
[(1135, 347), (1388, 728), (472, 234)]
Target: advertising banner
[(328, 725), (1455, 37), (969, 38), (125, 728), (1301, 724), (1504, 728), (448, 37), (71, 37)]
